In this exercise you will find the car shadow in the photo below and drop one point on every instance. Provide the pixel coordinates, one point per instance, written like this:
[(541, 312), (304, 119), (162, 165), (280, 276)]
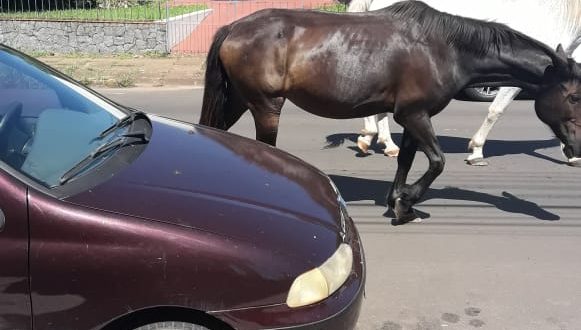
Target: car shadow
[(452, 144), (357, 189)]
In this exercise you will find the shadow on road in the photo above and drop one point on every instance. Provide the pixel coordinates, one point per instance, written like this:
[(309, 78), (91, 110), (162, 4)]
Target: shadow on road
[(452, 144), (356, 189)]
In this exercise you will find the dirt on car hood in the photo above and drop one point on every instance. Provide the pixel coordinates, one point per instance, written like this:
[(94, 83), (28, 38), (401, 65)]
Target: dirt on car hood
[(214, 181)]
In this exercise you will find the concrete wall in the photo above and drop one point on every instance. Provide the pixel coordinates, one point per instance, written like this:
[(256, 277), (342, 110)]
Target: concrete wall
[(84, 37)]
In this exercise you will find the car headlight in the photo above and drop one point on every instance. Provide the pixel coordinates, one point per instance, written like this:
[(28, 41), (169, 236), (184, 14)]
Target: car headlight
[(321, 282)]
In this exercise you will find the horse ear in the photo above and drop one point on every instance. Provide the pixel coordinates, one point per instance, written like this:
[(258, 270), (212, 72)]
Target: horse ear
[(561, 51), (561, 60)]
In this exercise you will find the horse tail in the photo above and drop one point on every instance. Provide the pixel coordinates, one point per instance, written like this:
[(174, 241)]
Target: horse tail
[(216, 84)]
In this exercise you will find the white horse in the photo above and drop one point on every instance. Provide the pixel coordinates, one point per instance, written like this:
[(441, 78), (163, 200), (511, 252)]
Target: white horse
[(550, 21)]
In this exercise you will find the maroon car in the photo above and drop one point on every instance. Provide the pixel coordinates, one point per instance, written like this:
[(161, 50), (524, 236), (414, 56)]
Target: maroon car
[(111, 218)]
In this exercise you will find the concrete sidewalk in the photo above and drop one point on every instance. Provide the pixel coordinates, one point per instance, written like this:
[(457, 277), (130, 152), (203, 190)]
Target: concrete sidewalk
[(131, 71)]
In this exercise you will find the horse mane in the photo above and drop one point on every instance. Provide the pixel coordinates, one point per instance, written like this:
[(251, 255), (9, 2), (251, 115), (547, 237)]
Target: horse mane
[(570, 13), (465, 34)]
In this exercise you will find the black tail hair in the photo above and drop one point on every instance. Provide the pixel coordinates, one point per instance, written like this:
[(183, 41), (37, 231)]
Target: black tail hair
[(216, 84)]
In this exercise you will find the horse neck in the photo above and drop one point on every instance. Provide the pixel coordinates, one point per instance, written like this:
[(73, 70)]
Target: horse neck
[(561, 18), (519, 65)]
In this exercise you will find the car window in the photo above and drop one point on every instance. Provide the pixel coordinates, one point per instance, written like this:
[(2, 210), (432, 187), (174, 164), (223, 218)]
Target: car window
[(18, 87), (47, 123)]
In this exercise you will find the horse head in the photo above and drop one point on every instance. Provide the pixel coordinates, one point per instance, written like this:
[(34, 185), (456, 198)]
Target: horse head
[(558, 104)]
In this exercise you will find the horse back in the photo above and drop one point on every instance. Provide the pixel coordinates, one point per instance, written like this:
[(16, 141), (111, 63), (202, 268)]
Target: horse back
[(321, 60)]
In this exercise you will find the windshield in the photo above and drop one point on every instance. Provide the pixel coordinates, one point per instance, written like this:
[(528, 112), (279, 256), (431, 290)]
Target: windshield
[(48, 123)]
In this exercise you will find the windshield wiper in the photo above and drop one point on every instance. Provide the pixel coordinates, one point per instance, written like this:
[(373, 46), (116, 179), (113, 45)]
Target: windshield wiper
[(134, 115), (124, 140)]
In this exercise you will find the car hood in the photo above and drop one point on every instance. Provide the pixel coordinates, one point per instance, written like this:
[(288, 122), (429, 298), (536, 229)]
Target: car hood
[(218, 182)]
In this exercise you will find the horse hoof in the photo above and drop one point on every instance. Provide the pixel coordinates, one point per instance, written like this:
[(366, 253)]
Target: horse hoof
[(391, 153), (576, 163), (389, 213), (362, 145), (404, 213), (477, 162), (408, 218)]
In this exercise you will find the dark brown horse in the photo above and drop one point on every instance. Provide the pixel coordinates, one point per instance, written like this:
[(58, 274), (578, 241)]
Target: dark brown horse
[(408, 59)]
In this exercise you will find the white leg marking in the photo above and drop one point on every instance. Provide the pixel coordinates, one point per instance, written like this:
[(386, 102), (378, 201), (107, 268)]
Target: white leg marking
[(503, 98), (364, 140), (384, 136)]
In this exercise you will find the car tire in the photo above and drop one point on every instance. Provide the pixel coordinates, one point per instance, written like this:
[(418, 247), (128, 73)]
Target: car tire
[(171, 325), (481, 94)]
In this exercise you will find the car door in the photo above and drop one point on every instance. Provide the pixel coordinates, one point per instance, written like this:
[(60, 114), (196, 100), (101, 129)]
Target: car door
[(15, 310)]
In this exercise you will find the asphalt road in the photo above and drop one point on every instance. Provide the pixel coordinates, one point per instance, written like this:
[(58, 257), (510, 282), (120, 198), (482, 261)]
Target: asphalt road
[(502, 246)]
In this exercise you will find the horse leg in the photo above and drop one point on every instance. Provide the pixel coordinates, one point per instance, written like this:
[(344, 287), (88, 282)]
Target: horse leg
[(503, 98), (236, 108), (404, 163), (266, 115), (384, 136), (420, 130), (367, 134)]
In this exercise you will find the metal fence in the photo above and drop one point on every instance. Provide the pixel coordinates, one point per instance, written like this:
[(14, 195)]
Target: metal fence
[(191, 24), (96, 10), (196, 38)]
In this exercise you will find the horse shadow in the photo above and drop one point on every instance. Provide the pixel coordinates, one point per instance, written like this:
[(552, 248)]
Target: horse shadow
[(357, 189), (453, 144)]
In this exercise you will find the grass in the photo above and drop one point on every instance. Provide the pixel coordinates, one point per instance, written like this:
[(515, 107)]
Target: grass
[(150, 12), (125, 80), (337, 8), (127, 70)]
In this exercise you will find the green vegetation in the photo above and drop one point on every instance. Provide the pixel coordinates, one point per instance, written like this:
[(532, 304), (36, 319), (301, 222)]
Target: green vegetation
[(337, 8), (147, 12)]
